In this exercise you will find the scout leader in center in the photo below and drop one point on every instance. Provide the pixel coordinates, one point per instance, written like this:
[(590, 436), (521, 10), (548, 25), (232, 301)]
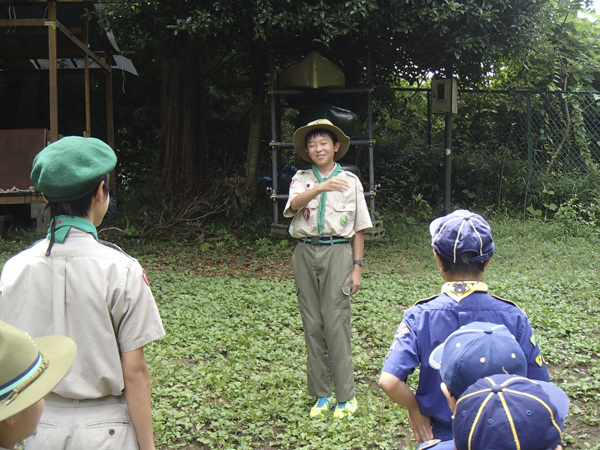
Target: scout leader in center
[(328, 208)]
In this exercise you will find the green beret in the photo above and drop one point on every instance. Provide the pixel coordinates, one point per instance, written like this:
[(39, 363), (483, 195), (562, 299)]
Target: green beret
[(71, 166)]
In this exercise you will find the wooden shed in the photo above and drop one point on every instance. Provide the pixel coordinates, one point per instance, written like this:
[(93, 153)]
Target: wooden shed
[(53, 36)]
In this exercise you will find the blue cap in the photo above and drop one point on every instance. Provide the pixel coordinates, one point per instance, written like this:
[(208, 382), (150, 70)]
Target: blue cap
[(512, 412), (477, 350), (460, 232)]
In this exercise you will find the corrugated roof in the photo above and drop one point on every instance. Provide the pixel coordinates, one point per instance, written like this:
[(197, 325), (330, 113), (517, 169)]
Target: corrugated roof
[(25, 42)]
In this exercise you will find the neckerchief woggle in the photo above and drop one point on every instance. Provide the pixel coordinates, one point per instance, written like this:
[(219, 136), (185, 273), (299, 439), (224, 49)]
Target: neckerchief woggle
[(323, 198), (64, 224)]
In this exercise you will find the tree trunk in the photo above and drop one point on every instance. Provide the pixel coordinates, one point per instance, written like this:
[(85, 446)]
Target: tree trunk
[(183, 157), (259, 69)]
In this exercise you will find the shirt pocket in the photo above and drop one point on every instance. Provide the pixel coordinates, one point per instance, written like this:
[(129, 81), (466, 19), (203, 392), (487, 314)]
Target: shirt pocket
[(343, 215)]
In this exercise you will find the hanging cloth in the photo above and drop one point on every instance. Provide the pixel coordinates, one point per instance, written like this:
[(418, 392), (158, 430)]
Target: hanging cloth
[(323, 198)]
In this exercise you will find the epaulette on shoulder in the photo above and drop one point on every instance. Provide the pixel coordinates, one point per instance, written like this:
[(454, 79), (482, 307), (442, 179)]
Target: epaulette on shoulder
[(351, 174), (425, 300), (504, 300), (115, 247)]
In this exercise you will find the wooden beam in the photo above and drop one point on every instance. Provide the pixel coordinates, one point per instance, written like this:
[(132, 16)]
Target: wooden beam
[(20, 199), (110, 122), (86, 68), (39, 53), (82, 46), (27, 2), (22, 23), (53, 73), (64, 72), (28, 31)]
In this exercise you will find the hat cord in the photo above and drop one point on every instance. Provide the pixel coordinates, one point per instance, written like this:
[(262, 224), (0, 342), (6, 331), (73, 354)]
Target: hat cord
[(17, 390), (52, 227)]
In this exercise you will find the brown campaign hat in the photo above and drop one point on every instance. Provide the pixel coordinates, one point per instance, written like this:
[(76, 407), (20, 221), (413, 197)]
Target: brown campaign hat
[(301, 133)]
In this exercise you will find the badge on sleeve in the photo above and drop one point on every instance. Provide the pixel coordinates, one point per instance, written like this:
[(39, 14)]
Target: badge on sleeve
[(533, 340), (539, 360), (402, 330), (145, 277), (308, 186)]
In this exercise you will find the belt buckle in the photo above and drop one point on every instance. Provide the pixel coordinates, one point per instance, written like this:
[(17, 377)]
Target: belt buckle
[(314, 240)]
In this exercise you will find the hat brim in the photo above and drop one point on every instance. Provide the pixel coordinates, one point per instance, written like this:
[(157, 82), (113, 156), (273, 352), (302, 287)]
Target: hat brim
[(300, 136), (560, 400), (60, 353)]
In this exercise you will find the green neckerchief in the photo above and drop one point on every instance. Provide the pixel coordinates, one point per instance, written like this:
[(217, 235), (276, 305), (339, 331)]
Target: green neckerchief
[(64, 224), (323, 198)]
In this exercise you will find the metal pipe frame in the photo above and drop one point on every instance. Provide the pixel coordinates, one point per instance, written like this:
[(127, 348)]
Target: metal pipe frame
[(275, 145), (274, 195)]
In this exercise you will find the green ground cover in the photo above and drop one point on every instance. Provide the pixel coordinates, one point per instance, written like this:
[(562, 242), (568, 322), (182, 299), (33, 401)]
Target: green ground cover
[(231, 371)]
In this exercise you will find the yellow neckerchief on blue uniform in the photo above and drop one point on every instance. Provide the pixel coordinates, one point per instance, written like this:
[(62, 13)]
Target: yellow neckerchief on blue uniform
[(458, 290), (321, 217), (64, 224)]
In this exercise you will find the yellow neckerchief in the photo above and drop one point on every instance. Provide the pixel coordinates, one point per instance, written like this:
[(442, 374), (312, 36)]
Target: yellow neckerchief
[(458, 290)]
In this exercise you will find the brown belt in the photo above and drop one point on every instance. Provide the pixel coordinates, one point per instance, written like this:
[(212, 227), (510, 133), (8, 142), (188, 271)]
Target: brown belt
[(76, 403)]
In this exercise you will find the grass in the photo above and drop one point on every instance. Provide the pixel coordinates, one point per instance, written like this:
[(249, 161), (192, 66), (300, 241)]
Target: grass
[(231, 371)]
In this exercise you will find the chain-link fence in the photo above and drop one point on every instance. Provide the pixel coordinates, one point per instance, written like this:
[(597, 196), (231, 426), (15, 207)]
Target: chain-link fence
[(555, 132), (507, 147)]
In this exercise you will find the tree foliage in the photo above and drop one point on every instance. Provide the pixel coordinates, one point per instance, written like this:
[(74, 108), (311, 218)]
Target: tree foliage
[(214, 61)]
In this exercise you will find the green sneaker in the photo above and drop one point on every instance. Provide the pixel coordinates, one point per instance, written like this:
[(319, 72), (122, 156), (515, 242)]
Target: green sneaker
[(345, 409), (323, 405)]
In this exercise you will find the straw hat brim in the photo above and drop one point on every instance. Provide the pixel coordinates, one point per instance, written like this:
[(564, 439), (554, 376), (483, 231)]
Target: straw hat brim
[(301, 133), (60, 353)]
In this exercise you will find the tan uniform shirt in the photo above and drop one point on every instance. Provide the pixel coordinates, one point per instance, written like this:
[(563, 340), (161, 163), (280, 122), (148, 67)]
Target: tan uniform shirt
[(93, 293), (345, 212)]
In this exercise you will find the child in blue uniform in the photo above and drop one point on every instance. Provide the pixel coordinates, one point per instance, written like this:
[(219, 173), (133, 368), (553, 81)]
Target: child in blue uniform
[(507, 412), (462, 245), (329, 209)]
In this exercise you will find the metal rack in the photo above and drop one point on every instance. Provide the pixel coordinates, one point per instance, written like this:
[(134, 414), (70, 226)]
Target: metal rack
[(277, 145)]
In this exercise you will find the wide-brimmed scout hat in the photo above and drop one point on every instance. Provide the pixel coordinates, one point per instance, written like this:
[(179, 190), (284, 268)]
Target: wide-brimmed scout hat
[(460, 232), (300, 135), (71, 167), (477, 350), (30, 368), (508, 412)]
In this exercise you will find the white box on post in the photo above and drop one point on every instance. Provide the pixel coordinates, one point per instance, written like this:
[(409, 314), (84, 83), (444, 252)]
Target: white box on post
[(444, 96)]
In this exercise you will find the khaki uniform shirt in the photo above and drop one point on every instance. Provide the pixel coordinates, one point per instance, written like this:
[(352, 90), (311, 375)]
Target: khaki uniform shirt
[(345, 212), (87, 290)]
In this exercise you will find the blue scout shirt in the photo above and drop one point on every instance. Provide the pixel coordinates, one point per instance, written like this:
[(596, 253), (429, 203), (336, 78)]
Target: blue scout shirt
[(429, 322)]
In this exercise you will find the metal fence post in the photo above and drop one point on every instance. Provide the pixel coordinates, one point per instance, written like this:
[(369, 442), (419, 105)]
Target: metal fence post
[(529, 149)]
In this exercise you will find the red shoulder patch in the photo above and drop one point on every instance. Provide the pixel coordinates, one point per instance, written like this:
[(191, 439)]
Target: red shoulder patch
[(145, 277)]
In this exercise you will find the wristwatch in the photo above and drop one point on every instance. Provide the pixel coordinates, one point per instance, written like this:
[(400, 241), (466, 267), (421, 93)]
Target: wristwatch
[(360, 262)]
